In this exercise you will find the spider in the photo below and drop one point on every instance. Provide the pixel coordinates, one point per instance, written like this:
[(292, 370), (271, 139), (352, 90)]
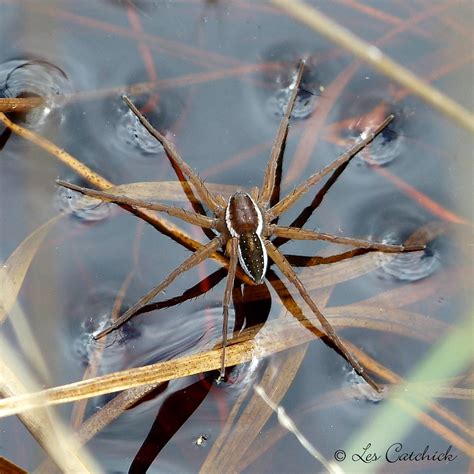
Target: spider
[(244, 224)]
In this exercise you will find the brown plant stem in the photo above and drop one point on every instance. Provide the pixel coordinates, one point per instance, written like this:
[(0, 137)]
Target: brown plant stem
[(19, 104)]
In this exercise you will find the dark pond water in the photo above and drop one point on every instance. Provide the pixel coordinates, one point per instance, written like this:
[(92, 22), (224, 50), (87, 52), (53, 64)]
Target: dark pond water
[(223, 116)]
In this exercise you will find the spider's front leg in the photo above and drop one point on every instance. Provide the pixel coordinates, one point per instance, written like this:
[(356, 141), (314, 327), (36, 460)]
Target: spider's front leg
[(207, 197), (278, 147), (188, 216), (291, 198)]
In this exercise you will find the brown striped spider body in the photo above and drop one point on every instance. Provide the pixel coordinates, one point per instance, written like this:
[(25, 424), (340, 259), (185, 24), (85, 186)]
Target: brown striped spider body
[(244, 226), (244, 221)]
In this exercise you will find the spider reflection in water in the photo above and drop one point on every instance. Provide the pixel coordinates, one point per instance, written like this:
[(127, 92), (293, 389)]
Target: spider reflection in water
[(245, 223)]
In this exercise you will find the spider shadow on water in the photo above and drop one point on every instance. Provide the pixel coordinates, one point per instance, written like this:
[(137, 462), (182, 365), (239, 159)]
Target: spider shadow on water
[(243, 225)]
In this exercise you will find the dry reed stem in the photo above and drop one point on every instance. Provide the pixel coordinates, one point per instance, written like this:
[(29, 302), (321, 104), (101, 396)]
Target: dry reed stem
[(8, 467), (113, 409), (19, 104), (374, 56), (14, 268), (60, 154), (56, 440), (274, 338), (245, 422)]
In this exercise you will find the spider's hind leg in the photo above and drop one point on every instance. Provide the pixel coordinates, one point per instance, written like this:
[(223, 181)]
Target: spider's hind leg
[(197, 257), (233, 257), (285, 267)]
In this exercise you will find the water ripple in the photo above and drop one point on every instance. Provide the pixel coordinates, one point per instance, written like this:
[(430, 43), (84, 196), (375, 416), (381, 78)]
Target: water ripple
[(391, 143), (319, 71), (94, 313), (409, 266), (393, 223), (359, 389), (82, 207), (129, 134), (34, 78)]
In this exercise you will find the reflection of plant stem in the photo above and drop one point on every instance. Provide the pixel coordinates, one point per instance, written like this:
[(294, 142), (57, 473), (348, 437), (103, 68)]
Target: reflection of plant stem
[(289, 425), (372, 55)]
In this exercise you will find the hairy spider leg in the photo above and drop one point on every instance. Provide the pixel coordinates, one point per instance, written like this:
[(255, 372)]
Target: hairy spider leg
[(176, 161), (197, 257), (208, 198), (187, 216), (287, 232), (296, 233), (278, 147), (292, 197), (285, 267), (306, 213), (227, 298)]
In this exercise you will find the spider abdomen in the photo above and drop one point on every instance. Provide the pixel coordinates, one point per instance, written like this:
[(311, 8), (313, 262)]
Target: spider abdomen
[(244, 220), (253, 256)]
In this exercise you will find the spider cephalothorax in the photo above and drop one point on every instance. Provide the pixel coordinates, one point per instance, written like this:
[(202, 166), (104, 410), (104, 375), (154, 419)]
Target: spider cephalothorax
[(244, 225)]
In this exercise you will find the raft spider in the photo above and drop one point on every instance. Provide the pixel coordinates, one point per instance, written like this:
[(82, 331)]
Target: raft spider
[(244, 225)]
